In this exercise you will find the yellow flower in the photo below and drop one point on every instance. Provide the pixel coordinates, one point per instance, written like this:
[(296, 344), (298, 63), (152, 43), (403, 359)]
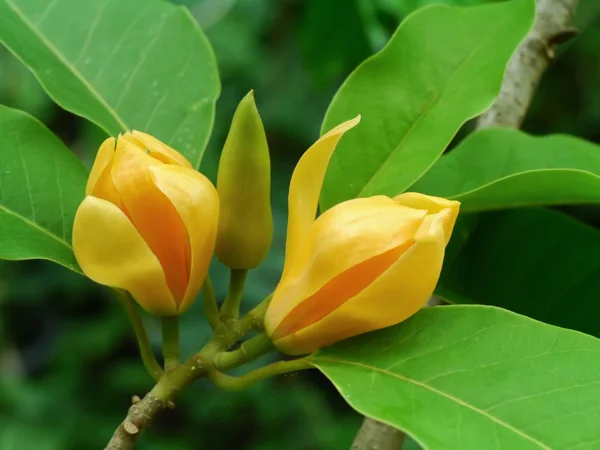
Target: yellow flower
[(363, 265), (147, 224)]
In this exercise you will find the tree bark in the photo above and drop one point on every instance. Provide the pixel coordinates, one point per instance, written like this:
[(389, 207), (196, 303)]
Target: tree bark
[(532, 58), (523, 73), (374, 435), (139, 416)]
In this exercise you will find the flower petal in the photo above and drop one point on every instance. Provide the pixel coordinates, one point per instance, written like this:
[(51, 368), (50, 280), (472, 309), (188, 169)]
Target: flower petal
[(158, 149), (197, 202), (393, 297), (305, 188), (433, 205), (110, 251), (104, 156), (153, 214), (100, 183), (337, 291), (341, 239)]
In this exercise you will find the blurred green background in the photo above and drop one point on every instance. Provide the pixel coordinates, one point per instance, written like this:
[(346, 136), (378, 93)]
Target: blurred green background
[(68, 360)]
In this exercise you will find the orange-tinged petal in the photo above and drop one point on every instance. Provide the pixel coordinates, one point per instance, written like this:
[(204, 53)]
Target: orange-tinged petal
[(197, 202), (393, 297), (305, 188), (432, 205), (343, 237), (110, 251), (337, 291), (153, 214), (157, 149), (104, 156)]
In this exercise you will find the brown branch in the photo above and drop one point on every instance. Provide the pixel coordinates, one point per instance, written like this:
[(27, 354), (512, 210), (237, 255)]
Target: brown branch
[(139, 416), (374, 435), (143, 412), (525, 69), (523, 74)]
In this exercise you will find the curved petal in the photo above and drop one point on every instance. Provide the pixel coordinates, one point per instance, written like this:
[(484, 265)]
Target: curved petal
[(158, 149), (305, 188), (433, 205), (337, 291), (197, 202), (393, 297), (100, 183), (153, 214), (103, 158), (110, 251), (343, 237)]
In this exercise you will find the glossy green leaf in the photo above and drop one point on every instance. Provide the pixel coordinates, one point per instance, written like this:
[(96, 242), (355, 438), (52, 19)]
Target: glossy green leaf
[(41, 186), (474, 377), (135, 64), (536, 262), (500, 168), (443, 66)]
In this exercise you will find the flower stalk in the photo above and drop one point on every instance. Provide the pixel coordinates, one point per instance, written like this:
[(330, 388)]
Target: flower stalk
[(211, 310), (231, 306), (170, 329), (241, 383), (146, 353)]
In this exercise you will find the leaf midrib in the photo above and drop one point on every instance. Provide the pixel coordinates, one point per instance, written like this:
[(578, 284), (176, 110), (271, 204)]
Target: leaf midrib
[(68, 65), (36, 226), (516, 175), (428, 107), (450, 397)]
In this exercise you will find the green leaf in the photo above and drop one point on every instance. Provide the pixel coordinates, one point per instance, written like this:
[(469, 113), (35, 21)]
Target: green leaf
[(474, 377), (443, 66), (500, 168), (135, 64), (536, 262), (41, 185)]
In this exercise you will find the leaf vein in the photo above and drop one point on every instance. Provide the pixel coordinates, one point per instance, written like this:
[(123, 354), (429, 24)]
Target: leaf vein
[(68, 65), (441, 393), (428, 107)]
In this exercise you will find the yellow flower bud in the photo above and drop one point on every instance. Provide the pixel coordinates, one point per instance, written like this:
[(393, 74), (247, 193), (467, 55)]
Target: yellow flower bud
[(363, 265), (244, 185), (148, 223)]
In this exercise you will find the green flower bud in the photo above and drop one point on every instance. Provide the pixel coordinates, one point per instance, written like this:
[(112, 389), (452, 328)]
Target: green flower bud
[(244, 187)]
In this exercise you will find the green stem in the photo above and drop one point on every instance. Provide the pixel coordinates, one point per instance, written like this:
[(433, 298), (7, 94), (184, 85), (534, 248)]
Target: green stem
[(142, 413), (211, 310), (248, 351), (148, 357), (170, 328), (231, 306), (234, 384)]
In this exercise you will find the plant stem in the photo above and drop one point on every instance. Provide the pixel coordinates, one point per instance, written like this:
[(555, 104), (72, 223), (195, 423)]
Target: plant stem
[(234, 384), (231, 306), (170, 329), (211, 310), (248, 351), (146, 353), (142, 413)]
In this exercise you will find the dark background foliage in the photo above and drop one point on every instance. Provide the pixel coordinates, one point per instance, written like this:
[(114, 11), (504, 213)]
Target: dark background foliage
[(68, 360)]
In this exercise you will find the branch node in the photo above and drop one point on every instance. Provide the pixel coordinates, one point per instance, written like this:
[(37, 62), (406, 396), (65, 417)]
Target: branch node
[(562, 36), (130, 427), (135, 400)]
